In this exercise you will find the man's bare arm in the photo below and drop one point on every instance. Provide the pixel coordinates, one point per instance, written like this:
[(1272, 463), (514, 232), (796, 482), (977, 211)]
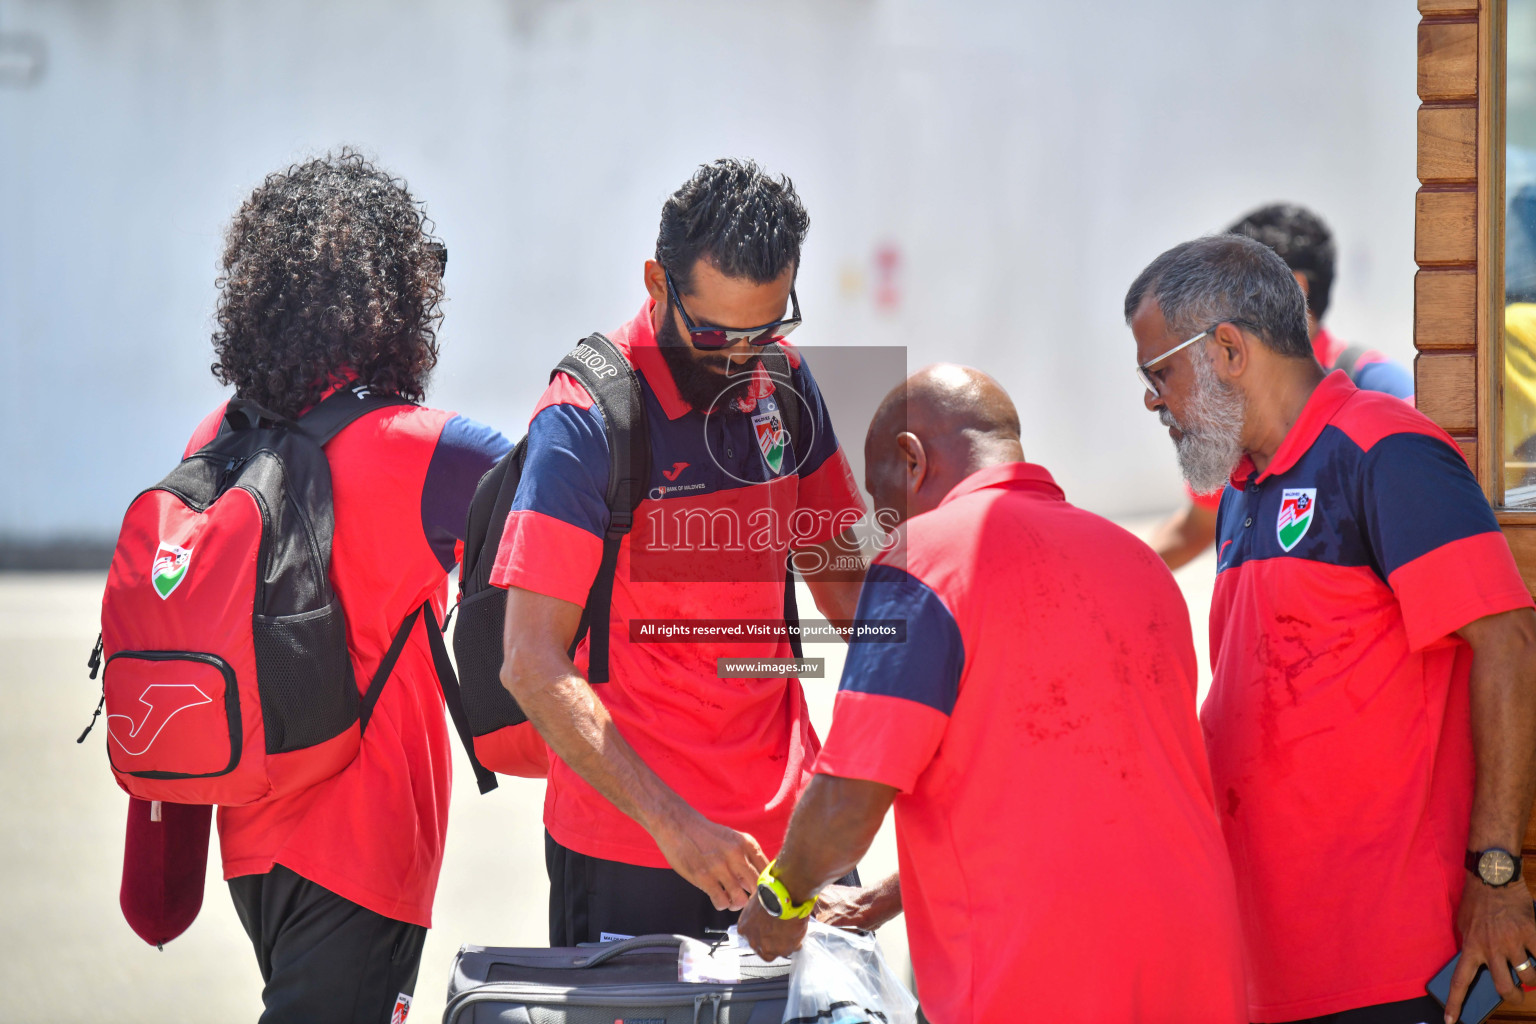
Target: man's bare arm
[(1496, 924), (539, 675), (832, 827), (1182, 537), (835, 571)]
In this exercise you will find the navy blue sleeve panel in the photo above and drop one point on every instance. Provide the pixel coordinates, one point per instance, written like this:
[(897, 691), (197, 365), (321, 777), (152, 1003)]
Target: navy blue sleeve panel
[(818, 422), (1418, 495), (465, 451), (1386, 377), (926, 667), (566, 475)]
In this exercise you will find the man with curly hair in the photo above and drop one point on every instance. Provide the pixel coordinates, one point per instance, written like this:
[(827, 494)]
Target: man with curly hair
[(331, 278)]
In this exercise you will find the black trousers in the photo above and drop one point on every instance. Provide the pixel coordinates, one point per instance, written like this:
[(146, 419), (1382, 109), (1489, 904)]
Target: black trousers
[(1423, 1010), (590, 897), (323, 958)]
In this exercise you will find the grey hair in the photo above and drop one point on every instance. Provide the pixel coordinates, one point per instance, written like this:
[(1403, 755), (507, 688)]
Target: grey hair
[(1226, 279)]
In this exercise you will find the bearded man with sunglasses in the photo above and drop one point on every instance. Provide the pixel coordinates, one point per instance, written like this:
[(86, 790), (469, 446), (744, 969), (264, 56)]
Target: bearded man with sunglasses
[(1371, 723), (671, 787)]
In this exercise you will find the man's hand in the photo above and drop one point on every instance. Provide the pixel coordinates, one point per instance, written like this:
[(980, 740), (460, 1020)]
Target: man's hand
[(539, 675), (722, 862), (860, 908), (770, 937), (1498, 928), (1496, 925)]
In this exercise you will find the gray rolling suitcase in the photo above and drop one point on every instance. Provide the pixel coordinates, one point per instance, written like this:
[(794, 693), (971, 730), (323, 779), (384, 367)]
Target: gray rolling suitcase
[(630, 982)]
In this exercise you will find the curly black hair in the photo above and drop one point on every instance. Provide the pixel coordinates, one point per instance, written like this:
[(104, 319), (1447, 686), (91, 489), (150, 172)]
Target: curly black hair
[(1302, 240), (329, 269), (737, 216)]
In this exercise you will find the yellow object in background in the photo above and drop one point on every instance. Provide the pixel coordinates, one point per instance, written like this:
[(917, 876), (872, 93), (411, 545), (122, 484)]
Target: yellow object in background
[(1519, 402)]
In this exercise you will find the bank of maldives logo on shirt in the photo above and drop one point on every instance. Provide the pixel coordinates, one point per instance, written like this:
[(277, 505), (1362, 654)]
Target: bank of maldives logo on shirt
[(768, 425), (1298, 507), (169, 569)]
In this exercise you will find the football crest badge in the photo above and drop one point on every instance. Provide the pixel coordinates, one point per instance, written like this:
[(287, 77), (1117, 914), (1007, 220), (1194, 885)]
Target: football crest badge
[(1298, 507), (772, 438), (169, 569)]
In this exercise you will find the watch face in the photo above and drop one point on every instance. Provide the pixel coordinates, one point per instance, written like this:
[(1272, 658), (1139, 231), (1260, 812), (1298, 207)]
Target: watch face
[(1496, 867), (770, 901)]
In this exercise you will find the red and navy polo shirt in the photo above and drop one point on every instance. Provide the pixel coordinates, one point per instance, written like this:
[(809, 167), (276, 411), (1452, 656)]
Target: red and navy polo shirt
[(1056, 830), (401, 482), (1338, 721), (724, 507)]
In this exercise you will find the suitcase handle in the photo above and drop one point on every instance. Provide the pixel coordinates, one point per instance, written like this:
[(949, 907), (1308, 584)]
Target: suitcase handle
[(634, 945)]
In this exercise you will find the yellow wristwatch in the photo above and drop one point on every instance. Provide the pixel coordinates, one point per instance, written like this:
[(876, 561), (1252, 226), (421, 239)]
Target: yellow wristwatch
[(775, 898)]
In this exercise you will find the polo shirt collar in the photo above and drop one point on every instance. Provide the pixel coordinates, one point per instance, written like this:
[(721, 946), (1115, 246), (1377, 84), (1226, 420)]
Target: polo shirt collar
[(1326, 400), (637, 339), (639, 343), (1022, 476)]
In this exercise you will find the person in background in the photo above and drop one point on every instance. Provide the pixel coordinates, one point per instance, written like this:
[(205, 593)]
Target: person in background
[(1371, 722), (671, 786), (1304, 242), (331, 279), (1059, 849)]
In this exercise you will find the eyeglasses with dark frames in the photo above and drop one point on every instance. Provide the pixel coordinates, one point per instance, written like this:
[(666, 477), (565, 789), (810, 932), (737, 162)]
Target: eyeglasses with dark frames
[(711, 339)]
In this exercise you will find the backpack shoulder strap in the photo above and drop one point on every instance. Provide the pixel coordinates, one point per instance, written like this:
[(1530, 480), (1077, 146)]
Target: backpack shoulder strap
[(447, 681), (602, 369), (777, 363), (615, 388), (1349, 360), (344, 407)]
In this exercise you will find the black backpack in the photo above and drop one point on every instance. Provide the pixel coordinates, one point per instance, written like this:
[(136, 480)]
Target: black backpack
[(608, 377)]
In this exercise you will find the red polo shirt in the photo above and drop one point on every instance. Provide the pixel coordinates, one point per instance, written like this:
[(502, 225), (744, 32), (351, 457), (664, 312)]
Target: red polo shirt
[(724, 507), (1338, 721), (1059, 850)]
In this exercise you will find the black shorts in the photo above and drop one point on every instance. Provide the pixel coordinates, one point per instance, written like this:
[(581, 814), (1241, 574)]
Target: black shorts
[(323, 957), (591, 898), (1423, 1010)]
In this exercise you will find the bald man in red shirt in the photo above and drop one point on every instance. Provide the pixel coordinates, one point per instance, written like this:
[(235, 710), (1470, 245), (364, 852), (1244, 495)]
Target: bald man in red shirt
[(1059, 848)]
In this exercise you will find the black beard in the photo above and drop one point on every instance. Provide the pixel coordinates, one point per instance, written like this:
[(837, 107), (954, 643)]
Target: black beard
[(702, 382)]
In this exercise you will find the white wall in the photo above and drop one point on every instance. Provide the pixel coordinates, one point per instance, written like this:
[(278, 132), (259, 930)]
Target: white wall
[(1026, 159)]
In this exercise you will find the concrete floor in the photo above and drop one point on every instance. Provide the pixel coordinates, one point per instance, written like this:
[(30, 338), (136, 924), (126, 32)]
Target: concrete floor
[(65, 953)]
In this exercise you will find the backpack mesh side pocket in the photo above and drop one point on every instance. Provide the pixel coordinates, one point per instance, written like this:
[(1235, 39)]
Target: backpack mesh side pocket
[(308, 693)]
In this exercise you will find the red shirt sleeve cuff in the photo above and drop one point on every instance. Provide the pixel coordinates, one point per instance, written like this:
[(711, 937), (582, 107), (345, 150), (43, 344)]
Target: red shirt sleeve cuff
[(547, 556), (1455, 584), (882, 739)]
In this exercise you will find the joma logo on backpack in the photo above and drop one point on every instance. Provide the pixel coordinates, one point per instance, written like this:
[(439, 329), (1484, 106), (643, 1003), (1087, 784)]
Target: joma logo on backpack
[(594, 360), (162, 702)]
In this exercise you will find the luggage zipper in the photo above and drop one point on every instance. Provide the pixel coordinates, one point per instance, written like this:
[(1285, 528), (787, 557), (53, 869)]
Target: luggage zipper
[(94, 664)]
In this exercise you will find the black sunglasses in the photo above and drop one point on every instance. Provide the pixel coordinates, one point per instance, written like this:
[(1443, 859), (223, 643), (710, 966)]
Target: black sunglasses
[(711, 339)]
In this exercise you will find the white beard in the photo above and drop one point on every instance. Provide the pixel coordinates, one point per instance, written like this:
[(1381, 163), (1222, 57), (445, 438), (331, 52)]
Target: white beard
[(1212, 443)]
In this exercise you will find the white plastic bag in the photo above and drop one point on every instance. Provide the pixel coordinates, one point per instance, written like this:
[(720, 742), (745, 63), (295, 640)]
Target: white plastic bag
[(841, 978)]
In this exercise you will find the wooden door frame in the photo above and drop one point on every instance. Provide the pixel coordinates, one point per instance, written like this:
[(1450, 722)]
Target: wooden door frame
[(1458, 243), (1458, 323)]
